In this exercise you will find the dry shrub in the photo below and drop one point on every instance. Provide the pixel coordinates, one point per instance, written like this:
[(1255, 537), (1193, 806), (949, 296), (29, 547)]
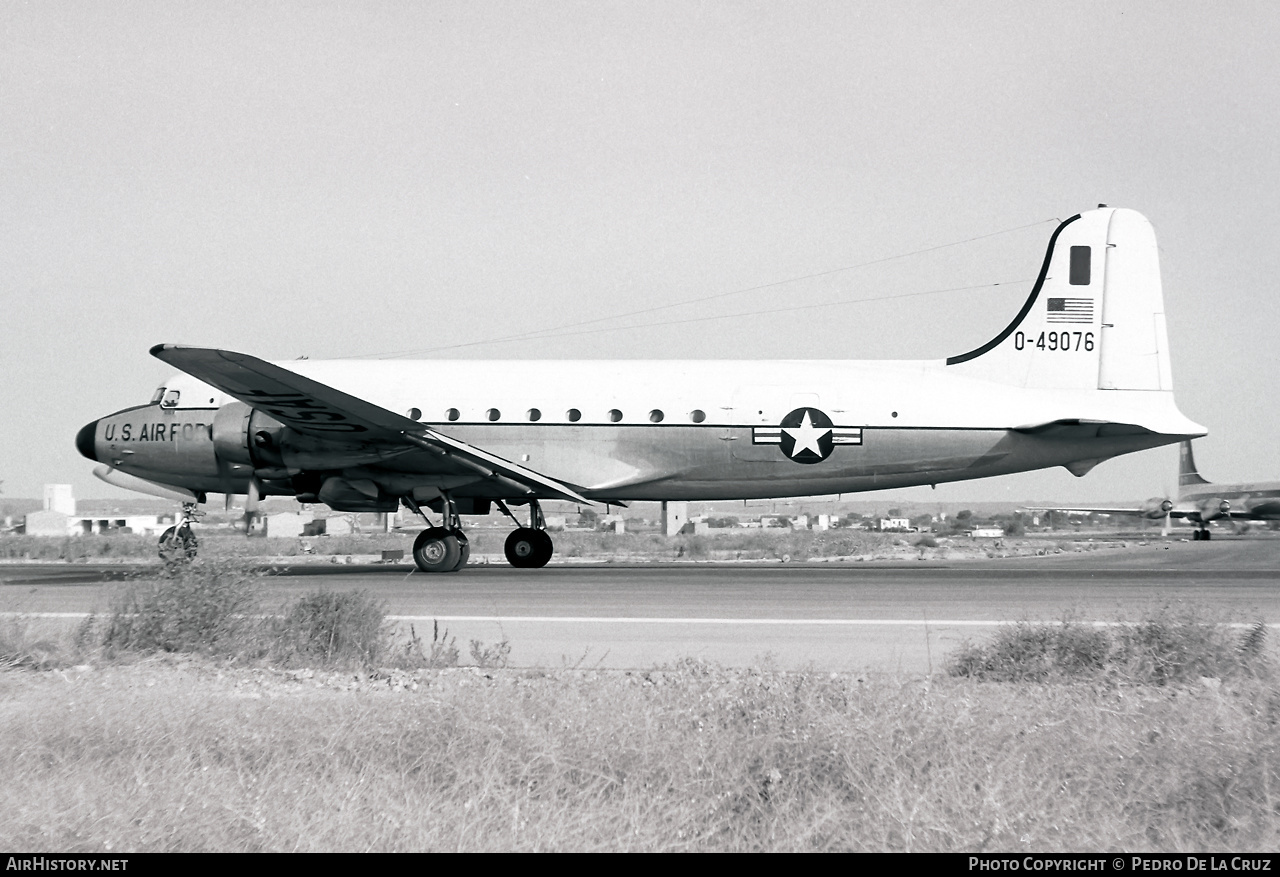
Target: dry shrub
[(328, 627), (1170, 646), (197, 608)]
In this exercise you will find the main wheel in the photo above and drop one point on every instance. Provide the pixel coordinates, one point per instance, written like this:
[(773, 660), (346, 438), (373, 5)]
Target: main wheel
[(436, 550), (178, 548), (528, 548), (464, 549)]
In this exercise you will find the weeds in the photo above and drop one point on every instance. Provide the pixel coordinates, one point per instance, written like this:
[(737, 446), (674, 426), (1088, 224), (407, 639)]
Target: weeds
[(1166, 648), (325, 627), (198, 608), (689, 757), (495, 657), (443, 651)]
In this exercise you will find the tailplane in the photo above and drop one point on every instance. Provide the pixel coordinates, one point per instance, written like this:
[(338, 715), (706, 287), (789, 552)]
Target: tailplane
[(1094, 319)]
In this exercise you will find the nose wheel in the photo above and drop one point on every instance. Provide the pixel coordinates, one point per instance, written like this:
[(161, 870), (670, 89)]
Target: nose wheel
[(178, 544)]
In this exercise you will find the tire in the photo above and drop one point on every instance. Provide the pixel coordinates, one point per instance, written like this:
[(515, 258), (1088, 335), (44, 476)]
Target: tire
[(527, 548), (178, 549), (436, 550), (464, 549), (546, 548)]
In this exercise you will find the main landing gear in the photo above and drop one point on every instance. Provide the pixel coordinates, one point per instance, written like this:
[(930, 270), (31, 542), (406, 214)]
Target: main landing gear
[(528, 547), (440, 549), (446, 549), (1202, 534), (178, 544)]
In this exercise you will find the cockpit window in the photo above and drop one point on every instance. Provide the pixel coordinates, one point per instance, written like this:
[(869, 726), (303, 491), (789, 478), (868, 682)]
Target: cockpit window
[(157, 396), (170, 399)]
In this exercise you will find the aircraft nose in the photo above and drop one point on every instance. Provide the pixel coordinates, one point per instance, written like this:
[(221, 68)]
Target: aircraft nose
[(84, 440)]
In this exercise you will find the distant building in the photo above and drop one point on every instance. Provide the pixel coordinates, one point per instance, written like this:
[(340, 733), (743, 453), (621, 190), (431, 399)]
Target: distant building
[(895, 523), (287, 524), (674, 516), (59, 498), (47, 523), (987, 533)]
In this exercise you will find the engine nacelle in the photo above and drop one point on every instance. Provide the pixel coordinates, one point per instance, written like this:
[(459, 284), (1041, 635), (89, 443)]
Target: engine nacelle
[(1211, 509), (1156, 507), (355, 495), (246, 436)]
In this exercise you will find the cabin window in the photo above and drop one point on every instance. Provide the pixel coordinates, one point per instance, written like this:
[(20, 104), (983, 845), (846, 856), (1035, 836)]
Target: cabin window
[(493, 414), (655, 416), (573, 415), (170, 399), (534, 415), (1081, 257), (697, 415), (157, 396), (413, 414), (452, 413), (614, 415)]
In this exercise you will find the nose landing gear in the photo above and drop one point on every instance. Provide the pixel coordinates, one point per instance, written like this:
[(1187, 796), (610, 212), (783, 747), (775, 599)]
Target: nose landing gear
[(178, 544)]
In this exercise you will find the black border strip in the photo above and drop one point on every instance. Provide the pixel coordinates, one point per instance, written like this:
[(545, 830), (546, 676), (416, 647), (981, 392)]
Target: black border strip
[(1026, 308)]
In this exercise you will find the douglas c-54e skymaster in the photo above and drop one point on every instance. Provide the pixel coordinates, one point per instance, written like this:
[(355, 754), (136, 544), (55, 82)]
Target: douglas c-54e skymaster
[(1079, 375)]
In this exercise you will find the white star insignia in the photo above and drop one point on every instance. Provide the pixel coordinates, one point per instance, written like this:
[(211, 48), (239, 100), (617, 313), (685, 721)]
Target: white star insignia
[(806, 436)]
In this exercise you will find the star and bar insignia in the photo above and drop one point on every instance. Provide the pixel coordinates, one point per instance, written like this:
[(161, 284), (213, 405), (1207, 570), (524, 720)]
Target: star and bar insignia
[(806, 435)]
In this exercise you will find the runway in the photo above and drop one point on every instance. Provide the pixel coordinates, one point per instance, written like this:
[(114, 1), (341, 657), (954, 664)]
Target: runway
[(833, 616)]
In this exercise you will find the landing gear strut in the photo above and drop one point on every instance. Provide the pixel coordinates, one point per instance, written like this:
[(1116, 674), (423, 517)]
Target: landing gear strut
[(528, 547), (178, 544), (440, 549)]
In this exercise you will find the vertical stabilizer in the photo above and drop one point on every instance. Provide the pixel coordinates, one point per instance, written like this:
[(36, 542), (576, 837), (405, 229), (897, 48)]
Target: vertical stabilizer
[(1187, 472), (1095, 317)]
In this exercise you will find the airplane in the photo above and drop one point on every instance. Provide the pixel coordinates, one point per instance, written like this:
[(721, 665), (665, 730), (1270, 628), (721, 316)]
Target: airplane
[(1201, 501), (1079, 375)]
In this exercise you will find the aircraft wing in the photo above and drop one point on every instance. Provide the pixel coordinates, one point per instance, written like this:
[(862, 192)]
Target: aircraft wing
[(1153, 511), (318, 410)]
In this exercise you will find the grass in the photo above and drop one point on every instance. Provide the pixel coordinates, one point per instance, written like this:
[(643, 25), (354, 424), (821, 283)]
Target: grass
[(188, 719), (691, 757), (1171, 645)]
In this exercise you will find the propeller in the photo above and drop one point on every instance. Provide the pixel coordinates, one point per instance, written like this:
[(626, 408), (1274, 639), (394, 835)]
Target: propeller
[(251, 504)]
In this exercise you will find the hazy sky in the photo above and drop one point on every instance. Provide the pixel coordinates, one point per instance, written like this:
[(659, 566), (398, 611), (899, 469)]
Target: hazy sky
[(366, 178)]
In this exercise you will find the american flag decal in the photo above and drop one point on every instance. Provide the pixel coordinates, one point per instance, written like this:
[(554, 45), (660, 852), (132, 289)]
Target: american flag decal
[(1070, 310)]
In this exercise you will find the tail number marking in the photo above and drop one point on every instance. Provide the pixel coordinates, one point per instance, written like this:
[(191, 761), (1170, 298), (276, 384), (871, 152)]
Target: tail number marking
[(1064, 341)]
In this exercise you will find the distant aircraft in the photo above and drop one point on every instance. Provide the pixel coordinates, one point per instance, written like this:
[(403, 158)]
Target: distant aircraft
[(1080, 374), (1201, 501)]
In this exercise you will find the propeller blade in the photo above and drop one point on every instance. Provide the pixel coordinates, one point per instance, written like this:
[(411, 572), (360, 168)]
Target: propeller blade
[(251, 505)]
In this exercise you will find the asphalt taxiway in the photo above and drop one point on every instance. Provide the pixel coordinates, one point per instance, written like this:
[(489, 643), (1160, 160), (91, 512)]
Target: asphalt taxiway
[(835, 616)]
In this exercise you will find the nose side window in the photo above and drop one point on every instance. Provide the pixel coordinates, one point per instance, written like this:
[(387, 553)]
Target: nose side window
[(170, 399)]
